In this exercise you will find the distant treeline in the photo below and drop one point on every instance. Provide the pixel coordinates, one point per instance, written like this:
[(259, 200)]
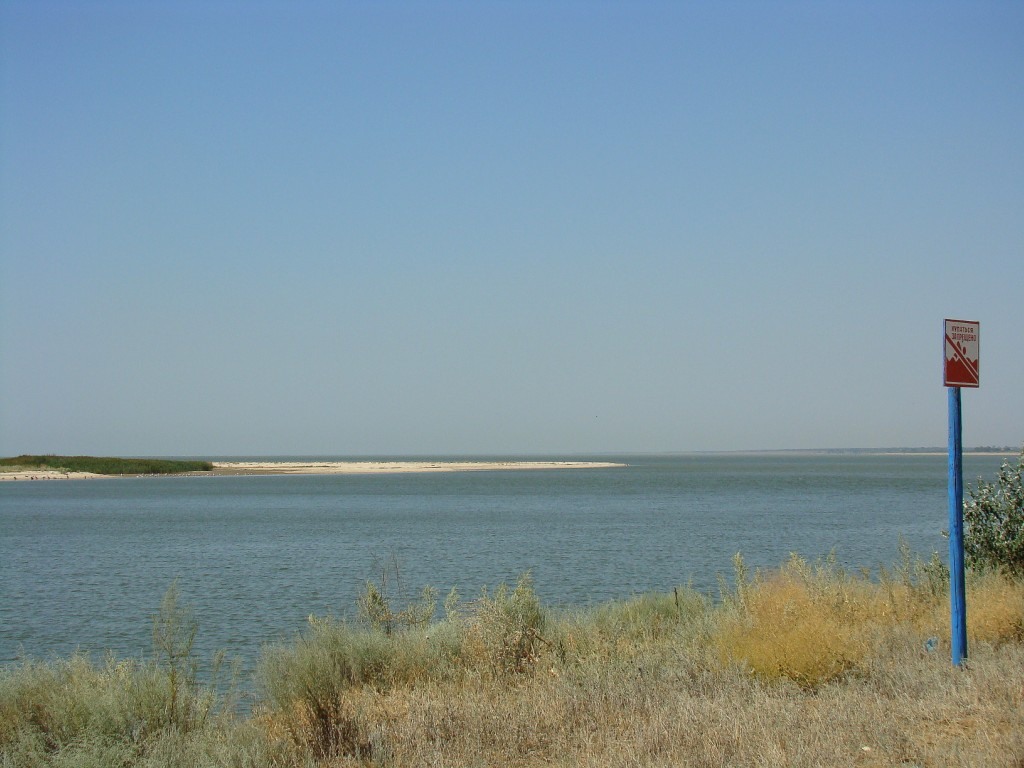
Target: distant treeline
[(932, 449), (107, 466)]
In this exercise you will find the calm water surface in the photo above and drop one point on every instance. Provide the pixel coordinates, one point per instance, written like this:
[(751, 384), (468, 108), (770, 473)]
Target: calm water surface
[(85, 563)]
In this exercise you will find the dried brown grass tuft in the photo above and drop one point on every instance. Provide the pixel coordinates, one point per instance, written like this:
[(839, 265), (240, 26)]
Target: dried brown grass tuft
[(995, 611), (816, 623), (785, 631)]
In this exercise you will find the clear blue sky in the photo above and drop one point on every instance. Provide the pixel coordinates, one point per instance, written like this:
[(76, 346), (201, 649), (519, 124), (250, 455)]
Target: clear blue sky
[(506, 227)]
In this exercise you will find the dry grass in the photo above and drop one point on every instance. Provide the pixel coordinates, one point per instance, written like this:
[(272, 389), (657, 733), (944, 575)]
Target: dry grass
[(911, 710), (807, 665)]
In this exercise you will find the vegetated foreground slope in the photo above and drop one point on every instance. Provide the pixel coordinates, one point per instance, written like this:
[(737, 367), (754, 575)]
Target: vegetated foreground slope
[(806, 665)]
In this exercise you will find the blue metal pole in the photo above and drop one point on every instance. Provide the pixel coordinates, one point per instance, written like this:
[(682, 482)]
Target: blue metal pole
[(957, 598)]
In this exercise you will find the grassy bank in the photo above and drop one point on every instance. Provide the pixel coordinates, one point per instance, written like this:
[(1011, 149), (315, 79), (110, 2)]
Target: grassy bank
[(807, 665), (101, 465)]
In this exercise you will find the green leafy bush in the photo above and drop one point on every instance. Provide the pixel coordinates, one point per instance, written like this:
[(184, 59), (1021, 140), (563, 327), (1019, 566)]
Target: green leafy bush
[(994, 521), (107, 466)]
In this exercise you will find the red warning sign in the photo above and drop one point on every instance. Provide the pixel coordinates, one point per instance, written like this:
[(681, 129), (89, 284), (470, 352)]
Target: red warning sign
[(962, 357)]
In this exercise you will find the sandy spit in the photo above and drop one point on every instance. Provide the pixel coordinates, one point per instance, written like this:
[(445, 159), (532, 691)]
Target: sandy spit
[(384, 467), (324, 468)]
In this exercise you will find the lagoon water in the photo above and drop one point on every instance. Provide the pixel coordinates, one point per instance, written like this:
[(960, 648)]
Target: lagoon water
[(84, 563)]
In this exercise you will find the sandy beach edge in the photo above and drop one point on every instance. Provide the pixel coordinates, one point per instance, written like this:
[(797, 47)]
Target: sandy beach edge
[(48, 474)]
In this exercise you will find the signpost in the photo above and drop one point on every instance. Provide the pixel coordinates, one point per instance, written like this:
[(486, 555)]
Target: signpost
[(962, 365), (961, 368)]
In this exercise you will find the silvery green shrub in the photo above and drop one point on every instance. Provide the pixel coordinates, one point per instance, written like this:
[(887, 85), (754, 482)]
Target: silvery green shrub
[(994, 521)]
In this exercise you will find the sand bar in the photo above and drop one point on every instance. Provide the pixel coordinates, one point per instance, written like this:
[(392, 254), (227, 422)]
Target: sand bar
[(392, 467)]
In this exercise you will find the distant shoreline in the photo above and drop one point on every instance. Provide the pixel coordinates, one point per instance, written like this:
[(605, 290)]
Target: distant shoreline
[(245, 468)]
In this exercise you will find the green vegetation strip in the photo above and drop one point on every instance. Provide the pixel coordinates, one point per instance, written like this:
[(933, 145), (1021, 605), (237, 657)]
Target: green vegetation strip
[(104, 465)]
